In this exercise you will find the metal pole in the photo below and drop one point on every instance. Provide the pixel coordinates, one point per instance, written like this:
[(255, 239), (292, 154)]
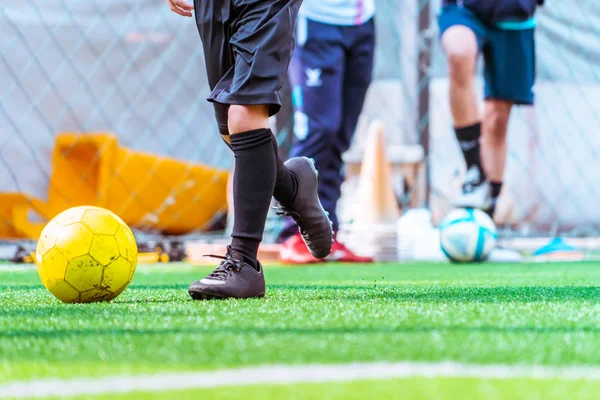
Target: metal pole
[(424, 63)]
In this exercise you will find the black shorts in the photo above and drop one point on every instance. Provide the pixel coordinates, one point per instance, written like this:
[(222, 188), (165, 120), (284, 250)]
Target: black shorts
[(248, 45)]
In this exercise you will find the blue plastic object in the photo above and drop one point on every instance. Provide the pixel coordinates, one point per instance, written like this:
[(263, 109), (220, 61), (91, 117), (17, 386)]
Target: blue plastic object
[(554, 246)]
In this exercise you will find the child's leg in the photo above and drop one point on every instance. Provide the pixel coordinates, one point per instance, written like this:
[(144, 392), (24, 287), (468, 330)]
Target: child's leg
[(462, 38), (254, 177), (254, 146), (262, 61), (261, 46), (509, 79)]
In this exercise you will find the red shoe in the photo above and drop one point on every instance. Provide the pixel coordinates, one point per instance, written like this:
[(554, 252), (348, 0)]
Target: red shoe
[(341, 253), (294, 251)]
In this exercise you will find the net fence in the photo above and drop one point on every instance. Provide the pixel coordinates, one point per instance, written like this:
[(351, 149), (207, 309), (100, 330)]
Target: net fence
[(103, 102)]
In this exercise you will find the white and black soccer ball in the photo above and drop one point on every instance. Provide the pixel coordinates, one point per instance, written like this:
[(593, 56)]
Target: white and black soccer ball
[(467, 235)]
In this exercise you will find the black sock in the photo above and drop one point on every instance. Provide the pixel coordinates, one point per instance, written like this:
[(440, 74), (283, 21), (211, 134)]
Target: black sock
[(286, 184), (254, 178), (496, 189), (468, 139)]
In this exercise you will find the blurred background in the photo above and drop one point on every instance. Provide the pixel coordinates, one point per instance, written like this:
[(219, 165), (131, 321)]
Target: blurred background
[(102, 102)]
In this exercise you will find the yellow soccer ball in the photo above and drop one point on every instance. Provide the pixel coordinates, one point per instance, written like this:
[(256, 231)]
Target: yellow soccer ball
[(86, 254)]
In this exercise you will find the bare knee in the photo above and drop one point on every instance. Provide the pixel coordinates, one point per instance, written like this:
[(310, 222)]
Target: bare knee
[(242, 118), (495, 121), (461, 66), (460, 45)]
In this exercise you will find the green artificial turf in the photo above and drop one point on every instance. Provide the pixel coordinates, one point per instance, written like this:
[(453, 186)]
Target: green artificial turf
[(488, 313), (413, 389)]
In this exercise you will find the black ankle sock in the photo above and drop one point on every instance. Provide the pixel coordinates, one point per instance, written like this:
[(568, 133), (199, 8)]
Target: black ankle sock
[(496, 189), (254, 178), (286, 185), (468, 139)]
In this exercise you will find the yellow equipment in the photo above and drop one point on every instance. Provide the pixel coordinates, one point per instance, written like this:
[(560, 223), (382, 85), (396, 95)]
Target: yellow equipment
[(147, 191)]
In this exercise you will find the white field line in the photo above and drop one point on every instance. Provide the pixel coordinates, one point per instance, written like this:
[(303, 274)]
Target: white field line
[(281, 375)]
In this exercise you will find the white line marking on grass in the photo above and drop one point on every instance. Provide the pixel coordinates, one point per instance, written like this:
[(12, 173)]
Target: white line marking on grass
[(281, 375)]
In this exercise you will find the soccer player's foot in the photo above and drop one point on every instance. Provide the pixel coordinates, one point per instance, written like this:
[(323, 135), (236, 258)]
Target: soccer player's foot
[(501, 255), (340, 253), (312, 220), (294, 251), (476, 192), (233, 279)]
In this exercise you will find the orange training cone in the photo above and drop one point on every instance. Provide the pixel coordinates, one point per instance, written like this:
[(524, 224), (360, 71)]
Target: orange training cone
[(377, 202), (376, 211)]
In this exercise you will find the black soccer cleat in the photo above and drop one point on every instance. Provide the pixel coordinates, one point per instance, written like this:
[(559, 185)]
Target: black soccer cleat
[(233, 279), (312, 220)]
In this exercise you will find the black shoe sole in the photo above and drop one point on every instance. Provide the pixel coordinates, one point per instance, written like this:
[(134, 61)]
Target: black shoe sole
[(317, 254), (195, 295)]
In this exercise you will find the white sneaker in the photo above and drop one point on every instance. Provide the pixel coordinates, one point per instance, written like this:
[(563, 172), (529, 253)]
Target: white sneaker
[(476, 191), (500, 255)]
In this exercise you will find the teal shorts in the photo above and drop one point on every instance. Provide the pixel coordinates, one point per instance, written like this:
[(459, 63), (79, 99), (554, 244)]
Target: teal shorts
[(509, 55)]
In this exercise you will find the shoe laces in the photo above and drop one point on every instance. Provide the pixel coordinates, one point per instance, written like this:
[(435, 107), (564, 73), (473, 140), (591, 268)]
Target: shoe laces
[(288, 212), (227, 267), (473, 180), (469, 187)]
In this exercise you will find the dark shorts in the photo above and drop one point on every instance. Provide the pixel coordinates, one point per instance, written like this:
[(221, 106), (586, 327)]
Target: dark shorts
[(248, 45), (509, 55)]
